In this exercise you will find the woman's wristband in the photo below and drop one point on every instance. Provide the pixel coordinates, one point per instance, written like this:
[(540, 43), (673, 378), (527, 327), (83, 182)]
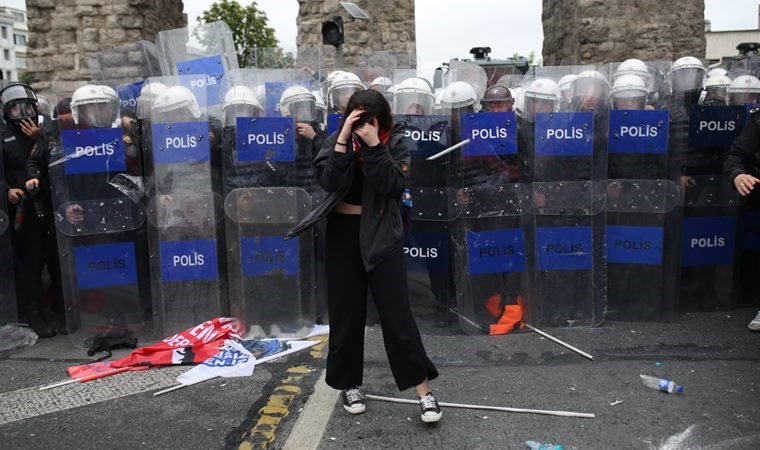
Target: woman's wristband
[(340, 143)]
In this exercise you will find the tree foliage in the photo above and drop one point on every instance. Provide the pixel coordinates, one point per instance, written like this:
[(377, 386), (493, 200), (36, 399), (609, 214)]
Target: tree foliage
[(249, 25)]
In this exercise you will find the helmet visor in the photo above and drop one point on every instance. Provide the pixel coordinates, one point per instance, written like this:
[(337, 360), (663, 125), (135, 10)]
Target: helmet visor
[(687, 79), (412, 103)]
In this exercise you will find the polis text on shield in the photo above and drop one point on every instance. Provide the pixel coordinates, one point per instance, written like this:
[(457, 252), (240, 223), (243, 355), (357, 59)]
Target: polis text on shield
[(423, 136), (640, 131), (104, 149), (420, 252), (717, 125), (564, 133), (196, 259), (116, 263), (564, 248), (266, 139), (633, 244), (708, 242), (491, 133), (506, 250), (187, 141)]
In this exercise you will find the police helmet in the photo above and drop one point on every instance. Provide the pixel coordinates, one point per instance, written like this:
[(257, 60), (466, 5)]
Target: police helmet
[(381, 84), (565, 85), (633, 66), (239, 101), (541, 95), (413, 96), (342, 87), (744, 89), (19, 102), (459, 95), (629, 88), (496, 96), (717, 71), (149, 92), (93, 106), (591, 82), (300, 104), (175, 104), (686, 74)]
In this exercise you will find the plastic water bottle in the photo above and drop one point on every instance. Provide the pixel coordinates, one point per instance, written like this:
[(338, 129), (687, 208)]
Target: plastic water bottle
[(662, 384), (539, 446)]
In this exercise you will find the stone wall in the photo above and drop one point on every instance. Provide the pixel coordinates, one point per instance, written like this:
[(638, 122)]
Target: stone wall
[(601, 31), (64, 32), (390, 28)]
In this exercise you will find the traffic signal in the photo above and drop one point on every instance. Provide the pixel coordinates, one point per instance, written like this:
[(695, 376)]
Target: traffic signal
[(332, 31)]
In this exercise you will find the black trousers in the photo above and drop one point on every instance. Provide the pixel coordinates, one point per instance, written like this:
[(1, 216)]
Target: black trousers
[(347, 283)]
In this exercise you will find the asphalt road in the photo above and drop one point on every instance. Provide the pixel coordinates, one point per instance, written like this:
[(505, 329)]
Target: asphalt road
[(286, 405)]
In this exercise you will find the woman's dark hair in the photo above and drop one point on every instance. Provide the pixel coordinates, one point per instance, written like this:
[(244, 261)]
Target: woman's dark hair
[(374, 105)]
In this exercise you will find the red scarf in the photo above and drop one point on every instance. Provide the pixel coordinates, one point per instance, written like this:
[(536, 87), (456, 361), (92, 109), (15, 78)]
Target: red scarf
[(384, 137)]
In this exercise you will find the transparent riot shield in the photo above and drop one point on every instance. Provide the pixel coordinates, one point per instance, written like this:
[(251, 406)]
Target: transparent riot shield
[(640, 199), (102, 240), (568, 167), (269, 185), (8, 309), (710, 209), (430, 202), (206, 52), (491, 254), (183, 177)]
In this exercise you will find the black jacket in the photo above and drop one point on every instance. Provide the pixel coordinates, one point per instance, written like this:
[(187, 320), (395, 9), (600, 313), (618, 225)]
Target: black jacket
[(744, 154), (386, 169)]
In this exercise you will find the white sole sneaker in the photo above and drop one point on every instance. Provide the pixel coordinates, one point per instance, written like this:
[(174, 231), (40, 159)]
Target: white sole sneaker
[(430, 418), (355, 409)]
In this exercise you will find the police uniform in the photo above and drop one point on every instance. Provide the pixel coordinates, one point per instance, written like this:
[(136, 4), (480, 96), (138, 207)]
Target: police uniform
[(33, 237)]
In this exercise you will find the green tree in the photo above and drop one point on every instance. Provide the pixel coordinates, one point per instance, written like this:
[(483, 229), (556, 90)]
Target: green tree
[(249, 26)]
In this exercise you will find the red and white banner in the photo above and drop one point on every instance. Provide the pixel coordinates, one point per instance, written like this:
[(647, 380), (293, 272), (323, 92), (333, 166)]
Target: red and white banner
[(192, 346)]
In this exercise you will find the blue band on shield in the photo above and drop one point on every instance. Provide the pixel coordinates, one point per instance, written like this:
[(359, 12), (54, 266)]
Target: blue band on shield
[(96, 150), (496, 251), (269, 255), (184, 142), (265, 139), (638, 131), (564, 134), (188, 260), (634, 245), (708, 241), (564, 248), (105, 265)]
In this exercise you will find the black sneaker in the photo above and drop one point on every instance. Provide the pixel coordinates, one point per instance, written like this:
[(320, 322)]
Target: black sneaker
[(353, 400), (431, 412)]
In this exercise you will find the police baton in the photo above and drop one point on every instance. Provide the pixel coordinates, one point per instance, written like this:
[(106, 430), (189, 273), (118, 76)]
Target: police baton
[(449, 150)]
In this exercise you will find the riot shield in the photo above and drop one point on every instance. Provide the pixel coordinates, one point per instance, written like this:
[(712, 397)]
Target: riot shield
[(269, 185), (102, 239), (8, 309), (430, 201), (641, 201), (568, 165), (206, 53), (183, 177), (491, 257), (710, 208)]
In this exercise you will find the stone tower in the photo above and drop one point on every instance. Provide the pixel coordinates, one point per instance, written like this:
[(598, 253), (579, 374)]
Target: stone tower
[(600, 31), (390, 28), (63, 33)]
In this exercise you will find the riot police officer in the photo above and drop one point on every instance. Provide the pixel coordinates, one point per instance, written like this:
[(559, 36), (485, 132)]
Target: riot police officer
[(25, 133), (498, 99)]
